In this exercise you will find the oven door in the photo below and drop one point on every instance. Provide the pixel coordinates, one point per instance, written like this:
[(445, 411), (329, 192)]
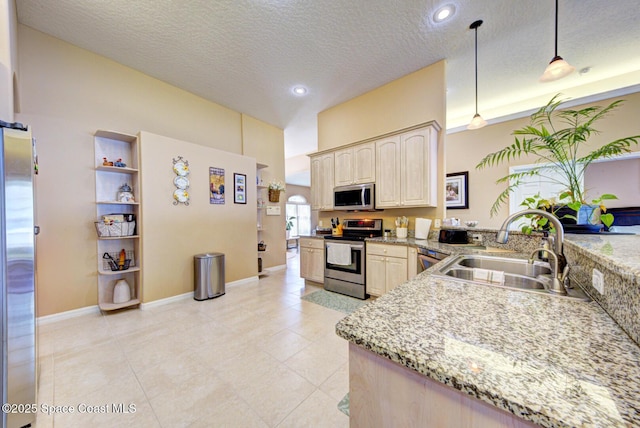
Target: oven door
[(353, 272)]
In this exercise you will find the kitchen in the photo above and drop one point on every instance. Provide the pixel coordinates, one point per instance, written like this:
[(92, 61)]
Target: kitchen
[(68, 282)]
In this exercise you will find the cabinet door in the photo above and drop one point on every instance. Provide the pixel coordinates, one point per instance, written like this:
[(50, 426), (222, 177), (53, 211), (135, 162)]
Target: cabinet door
[(326, 172), (419, 175), (388, 172), (316, 272), (375, 275), (343, 167), (305, 263), (364, 163), (412, 262), (316, 183), (396, 272)]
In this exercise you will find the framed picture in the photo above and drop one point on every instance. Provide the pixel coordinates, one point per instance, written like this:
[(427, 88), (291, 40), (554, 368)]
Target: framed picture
[(216, 186), (457, 190), (240, 188)]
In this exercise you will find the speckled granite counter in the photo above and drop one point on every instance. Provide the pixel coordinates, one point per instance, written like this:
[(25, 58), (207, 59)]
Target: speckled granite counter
[(618, 258), (551, 361)]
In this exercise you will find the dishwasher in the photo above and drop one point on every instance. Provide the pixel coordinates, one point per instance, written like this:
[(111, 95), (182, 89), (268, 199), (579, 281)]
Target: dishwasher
[(428, 258)]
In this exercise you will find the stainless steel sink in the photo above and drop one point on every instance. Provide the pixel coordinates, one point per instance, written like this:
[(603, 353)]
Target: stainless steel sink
[(519, 274)]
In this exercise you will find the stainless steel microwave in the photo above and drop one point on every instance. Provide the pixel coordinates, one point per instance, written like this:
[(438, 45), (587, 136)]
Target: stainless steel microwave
[(359, 197)]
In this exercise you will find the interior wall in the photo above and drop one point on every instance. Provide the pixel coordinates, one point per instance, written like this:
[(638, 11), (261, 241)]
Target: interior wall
[(416, 98), (8, 58), (173, 234), (466, 149), (67, 93), (622, 178), (265, 143)]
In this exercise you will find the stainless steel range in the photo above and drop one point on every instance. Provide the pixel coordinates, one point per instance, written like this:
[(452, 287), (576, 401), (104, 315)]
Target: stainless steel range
[(344, 269)]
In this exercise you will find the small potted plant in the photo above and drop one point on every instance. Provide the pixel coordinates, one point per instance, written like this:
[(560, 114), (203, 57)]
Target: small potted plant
[(557, 139), (275, 187), (289, 225)]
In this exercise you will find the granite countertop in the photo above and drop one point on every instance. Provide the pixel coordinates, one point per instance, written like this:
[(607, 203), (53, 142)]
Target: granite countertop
[(617, 251), (551, 361)]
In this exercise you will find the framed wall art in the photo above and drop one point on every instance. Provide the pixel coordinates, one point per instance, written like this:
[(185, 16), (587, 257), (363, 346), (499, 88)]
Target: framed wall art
[(216, 186), (457, 190), (239, 188)]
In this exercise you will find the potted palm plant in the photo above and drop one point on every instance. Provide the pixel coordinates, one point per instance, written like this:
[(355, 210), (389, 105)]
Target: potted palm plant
[(289, 225), (557, 139)]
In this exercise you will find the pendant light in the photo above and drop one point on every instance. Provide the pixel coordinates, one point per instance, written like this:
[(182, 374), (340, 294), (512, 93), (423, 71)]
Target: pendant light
[(477, 122), (558, 67)]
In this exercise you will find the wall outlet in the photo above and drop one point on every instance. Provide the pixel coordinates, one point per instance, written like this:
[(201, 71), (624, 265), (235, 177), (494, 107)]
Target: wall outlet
[(476, 238), (597, 279), (436, 223)]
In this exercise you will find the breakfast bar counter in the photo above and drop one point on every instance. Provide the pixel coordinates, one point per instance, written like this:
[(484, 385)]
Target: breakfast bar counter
[(549, 361)]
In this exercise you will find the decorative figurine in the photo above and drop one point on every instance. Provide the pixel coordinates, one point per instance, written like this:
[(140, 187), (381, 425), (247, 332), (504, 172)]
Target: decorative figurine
[(119, 163), (125, 194), (105, 162)]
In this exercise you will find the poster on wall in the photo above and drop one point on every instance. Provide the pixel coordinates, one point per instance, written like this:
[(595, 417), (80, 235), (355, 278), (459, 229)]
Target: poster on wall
[(216, 185), (240, 188)]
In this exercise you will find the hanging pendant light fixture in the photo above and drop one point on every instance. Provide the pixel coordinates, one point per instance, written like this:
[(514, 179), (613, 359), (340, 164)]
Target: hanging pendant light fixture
[(477, 122), (558, 67)]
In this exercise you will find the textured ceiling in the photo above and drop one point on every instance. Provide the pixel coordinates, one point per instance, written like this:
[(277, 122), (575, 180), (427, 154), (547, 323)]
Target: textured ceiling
[(248, 54)]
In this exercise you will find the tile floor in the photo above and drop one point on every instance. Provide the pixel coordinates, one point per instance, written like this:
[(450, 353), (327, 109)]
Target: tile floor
[(258, 356)]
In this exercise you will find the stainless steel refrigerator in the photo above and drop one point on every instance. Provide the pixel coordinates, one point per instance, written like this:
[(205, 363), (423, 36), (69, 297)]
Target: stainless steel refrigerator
[(17, 255)]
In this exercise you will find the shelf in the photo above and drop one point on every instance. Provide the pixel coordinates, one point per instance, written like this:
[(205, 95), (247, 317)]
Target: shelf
[(122, 170), (261, 166), (118, 272), (112, 238), (260, 229), (113, 306), (117, 203), (261, 186), (114, 135)]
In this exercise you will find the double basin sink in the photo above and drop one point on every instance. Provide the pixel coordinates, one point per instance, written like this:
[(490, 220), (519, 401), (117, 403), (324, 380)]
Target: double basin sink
[(511, 273)]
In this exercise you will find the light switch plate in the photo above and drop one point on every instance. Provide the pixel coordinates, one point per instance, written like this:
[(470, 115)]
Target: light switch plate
[(273, 209)]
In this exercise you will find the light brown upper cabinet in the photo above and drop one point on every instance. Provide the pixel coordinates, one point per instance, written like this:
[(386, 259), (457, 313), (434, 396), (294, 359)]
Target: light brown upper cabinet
[(406, 169), (322, 182), (355, 165)]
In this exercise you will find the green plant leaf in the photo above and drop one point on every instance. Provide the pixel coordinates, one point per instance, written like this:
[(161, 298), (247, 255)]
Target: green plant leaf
[(607, 219)]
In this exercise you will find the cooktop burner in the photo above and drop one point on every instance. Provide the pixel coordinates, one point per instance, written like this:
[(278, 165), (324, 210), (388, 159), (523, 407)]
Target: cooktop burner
[(359, 230)]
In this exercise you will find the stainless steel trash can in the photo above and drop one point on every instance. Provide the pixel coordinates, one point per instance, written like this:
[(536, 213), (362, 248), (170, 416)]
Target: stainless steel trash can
[(208, 276)]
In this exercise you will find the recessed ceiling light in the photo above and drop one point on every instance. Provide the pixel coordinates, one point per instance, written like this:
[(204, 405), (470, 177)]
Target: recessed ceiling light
[(299, 90), (444, 13)]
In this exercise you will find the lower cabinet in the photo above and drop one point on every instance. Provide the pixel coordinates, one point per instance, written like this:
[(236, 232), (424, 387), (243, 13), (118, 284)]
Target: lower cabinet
[(312, 259), (386, 267)]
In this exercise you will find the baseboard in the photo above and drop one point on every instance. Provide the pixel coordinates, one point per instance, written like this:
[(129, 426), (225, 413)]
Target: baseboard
[(275, 268), (48, 319)]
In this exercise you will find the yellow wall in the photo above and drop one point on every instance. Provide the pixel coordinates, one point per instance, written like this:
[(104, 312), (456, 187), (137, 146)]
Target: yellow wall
[(173, 234), (67, 94), (465, 149), (413, 99), (266, 143)]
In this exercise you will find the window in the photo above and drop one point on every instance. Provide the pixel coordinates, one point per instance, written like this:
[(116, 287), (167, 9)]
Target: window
[(298, 207)]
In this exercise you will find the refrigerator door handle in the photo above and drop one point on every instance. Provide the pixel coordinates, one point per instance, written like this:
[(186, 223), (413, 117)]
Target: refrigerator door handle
[(36, 230)]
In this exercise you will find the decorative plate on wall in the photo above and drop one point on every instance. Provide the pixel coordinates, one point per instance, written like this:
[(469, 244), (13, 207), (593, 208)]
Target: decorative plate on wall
[(181, 168)]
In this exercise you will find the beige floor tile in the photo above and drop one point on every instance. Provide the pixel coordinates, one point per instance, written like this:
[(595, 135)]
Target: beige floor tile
[(316, 363), (258, 356), (338, 383), (318, 411), (194, 400), (283, 344)]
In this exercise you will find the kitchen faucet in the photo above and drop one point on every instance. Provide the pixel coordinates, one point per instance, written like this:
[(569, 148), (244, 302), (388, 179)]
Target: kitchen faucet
[(556, 254)]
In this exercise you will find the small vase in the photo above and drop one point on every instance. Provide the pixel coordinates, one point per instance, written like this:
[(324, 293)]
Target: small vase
[(121, 292)]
